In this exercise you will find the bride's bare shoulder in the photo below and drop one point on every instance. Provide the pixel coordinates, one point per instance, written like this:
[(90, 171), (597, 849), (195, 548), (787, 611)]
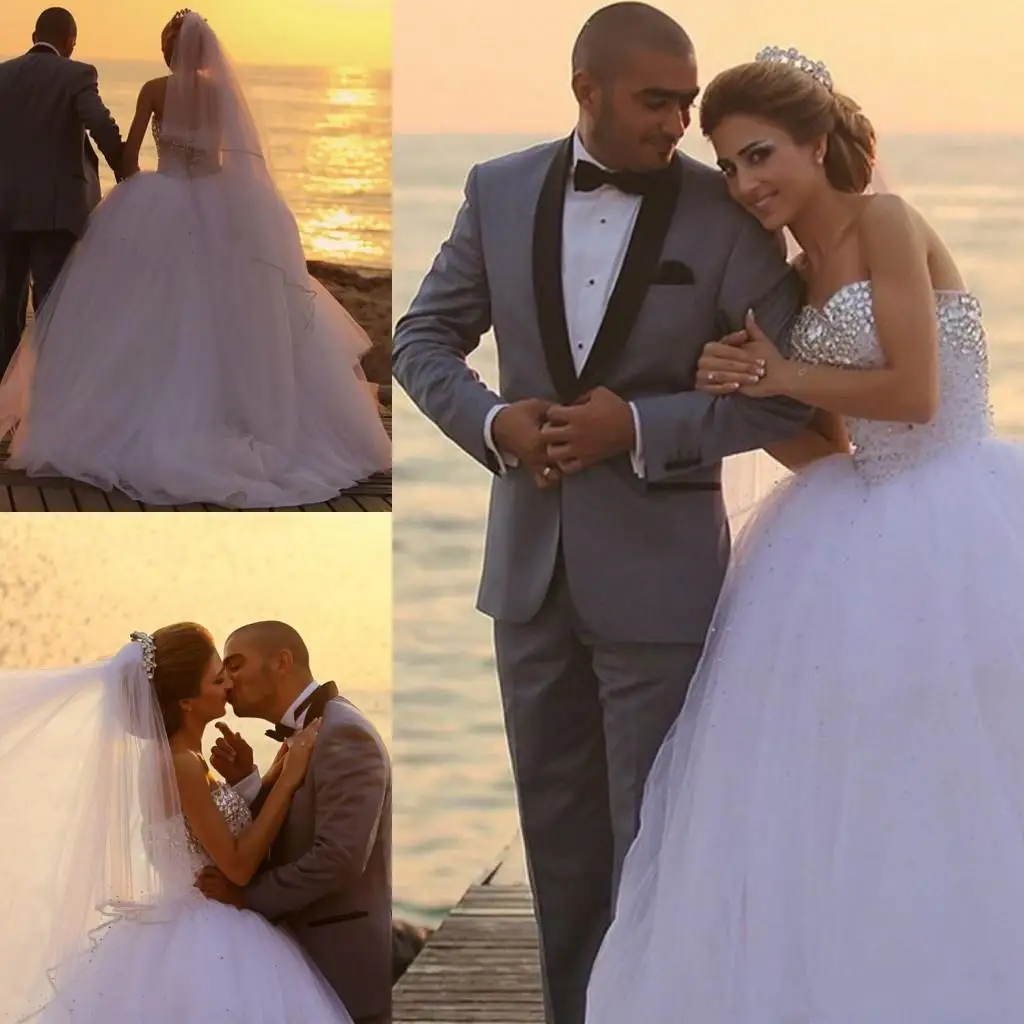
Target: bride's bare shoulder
[(189, 767)]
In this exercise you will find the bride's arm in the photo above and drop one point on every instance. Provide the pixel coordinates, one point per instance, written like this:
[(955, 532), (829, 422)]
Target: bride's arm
[(237, 857), (906, 389), (133, 144), (825, 435)]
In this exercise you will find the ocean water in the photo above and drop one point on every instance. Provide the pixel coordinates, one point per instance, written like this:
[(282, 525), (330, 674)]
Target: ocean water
[(454, 801), (73, 587), (327, 132)]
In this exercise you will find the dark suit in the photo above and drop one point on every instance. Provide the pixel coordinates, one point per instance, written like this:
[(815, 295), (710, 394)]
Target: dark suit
[(329, 878), (49, 175)]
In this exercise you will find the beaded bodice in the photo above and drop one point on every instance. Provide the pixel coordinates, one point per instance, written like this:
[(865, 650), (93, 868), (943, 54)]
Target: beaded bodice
[(173, 848), (235, 812), (842, 333), (190, 156)]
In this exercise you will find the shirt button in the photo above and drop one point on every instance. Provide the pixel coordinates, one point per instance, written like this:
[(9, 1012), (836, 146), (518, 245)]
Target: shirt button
[(604, 220), (591, 281)]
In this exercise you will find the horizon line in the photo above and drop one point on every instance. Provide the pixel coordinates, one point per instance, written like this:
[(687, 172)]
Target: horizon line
[(372, 68)]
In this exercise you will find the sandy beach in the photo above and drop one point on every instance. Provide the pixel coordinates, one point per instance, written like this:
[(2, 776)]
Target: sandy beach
[(366, 294)]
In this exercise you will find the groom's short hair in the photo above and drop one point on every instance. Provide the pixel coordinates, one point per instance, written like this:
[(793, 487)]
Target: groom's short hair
[(613, 32), (55, 24), (271, 636)]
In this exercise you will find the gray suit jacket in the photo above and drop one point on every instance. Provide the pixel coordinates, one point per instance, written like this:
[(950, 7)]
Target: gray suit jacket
[(329, 877), (644, 558), (49, 174)]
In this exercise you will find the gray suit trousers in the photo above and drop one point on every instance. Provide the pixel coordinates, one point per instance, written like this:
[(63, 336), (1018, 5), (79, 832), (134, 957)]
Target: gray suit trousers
[(585, 719)]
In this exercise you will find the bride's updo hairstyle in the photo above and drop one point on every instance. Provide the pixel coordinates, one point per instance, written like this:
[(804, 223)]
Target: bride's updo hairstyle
[(169, 36), (183, 652), (805, 107)]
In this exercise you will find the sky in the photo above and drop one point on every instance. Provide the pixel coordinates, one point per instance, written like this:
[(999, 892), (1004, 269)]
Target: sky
[(323, 33), (914, 65)]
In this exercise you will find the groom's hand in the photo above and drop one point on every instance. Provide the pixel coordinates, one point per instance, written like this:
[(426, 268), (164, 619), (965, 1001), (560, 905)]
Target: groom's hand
[(517, 430), (231, 756), (214, 886), (597, 427)]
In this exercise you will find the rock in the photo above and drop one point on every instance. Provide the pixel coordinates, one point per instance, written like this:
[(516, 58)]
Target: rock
[(366, 294), (408, 940)]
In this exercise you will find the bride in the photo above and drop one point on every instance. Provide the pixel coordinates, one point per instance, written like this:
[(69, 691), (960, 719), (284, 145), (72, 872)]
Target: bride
[(109, 812), (185, 354), (833, 830)]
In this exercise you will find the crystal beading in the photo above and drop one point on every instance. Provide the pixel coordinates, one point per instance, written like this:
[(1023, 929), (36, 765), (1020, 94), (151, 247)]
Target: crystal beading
[(815, 68), (148, 652), (843, 333)]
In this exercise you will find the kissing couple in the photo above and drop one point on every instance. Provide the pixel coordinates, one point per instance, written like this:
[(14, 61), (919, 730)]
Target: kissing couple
[(151, 890), (780, 782)]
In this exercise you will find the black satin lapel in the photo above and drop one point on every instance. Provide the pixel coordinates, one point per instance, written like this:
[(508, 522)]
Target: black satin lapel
[(638, 271), (321, 697), (547, 273)]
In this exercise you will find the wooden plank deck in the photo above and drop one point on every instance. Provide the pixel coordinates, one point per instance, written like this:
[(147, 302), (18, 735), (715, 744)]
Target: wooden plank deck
[(481, 964), (22, 493)]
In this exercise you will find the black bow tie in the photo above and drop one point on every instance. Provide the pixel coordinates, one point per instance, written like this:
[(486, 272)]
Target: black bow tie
[(586, 177), (284, 732)]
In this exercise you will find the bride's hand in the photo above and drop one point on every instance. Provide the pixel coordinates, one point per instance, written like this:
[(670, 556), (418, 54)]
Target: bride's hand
[(273, 773), (297, 759), (746, 362)]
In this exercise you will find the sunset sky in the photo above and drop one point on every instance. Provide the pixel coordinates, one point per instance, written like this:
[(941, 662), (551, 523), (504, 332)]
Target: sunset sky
[(944, 65), (299, 32)]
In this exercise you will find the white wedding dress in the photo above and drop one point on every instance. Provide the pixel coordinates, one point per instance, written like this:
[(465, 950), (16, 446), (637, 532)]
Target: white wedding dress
[(184, 353), (833, 830), (194, 961)]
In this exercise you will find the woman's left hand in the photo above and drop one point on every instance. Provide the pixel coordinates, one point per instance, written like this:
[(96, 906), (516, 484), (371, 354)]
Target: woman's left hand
[(752, 367)]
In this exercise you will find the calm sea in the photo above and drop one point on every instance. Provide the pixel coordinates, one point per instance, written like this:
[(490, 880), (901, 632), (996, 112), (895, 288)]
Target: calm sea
[(454, 803), (72, 588), (328, 135)]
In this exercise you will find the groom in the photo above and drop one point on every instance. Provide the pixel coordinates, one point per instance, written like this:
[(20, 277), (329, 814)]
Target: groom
[(49, 174), (329, 871), (603, 262)]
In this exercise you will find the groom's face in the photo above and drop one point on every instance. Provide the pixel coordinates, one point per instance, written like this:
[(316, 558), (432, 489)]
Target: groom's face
[(639, 111), (252, 676)]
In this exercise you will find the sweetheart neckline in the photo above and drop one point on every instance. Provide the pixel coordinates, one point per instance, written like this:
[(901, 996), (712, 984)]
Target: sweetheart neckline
[(822, 310)]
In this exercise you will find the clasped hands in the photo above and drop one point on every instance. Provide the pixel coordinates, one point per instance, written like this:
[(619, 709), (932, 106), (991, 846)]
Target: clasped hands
[(553, 440)]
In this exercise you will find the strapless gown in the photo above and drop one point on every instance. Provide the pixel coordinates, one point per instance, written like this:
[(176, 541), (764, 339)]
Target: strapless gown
[(200, 962), (833, 830), (185, 355)]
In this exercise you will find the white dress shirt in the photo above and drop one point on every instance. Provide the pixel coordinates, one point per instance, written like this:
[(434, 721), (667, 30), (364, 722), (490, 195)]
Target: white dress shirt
[(49, 46), (596, 230), (248, 789)]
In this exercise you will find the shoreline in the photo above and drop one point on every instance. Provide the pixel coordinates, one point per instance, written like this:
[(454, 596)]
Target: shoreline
[(366, 293)]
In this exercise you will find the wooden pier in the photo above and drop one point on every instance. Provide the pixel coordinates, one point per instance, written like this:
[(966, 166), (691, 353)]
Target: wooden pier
[(481, 964), (21, 493)]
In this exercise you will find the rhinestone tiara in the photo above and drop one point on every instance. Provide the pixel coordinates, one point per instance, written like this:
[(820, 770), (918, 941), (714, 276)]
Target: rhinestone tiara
[(815, 68), (148, 652)]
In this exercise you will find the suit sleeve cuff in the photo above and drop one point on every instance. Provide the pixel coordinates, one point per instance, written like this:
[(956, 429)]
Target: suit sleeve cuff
[(249, 788), (636, 457), (504, 462)]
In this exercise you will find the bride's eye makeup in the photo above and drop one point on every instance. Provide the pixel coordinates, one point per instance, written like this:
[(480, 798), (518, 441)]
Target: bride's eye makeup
[(757, 153), (753, 154)]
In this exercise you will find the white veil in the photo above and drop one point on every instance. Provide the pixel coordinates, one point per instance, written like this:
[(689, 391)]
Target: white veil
[(205, 108), (89, 815)]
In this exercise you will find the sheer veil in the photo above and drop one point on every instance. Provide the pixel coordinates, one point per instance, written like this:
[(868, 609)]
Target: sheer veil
[(90, 817), (205, 109)]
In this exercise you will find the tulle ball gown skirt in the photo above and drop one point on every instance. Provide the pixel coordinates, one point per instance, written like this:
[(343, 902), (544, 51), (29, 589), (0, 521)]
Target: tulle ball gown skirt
[(171, 362), (833, 831), (210, 964)]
